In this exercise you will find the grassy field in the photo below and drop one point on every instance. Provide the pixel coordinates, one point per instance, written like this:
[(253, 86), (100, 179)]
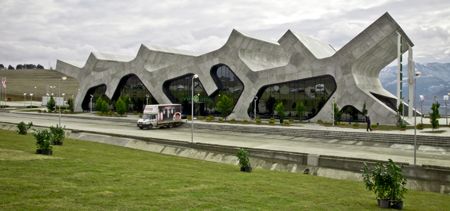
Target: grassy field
[(90, 176), (24, 81)]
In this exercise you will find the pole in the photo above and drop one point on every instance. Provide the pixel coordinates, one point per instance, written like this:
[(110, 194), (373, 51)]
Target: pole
[(415, 125), (59, 99), (192, 111), (256, 98), (421, 112)]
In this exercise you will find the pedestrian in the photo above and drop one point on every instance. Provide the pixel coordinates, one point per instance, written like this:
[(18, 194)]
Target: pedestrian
[(368, 123)]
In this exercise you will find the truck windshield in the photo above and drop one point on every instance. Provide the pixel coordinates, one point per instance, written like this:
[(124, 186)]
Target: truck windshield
[(148, 116)]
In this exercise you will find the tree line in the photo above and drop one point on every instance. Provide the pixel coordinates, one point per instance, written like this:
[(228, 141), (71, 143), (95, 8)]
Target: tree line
[(21, 66)]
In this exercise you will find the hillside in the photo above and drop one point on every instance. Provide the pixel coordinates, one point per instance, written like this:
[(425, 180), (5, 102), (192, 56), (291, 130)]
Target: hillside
[(25, 81)]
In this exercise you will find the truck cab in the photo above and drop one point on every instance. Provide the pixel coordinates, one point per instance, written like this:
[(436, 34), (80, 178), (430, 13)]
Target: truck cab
[(160, 115)]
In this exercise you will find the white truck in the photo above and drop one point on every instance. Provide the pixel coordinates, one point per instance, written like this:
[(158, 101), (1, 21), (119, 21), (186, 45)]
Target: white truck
[(160, 115)]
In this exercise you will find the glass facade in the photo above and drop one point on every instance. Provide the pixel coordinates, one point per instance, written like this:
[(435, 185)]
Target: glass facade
[(130, 86), (312, 92), (96, 91), (179, 90)]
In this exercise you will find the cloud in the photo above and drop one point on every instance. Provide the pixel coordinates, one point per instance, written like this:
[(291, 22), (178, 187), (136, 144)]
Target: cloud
[(47, 30)]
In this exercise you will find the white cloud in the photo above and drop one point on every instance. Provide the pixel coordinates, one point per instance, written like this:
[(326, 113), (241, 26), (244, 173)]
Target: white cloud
[(47, 30)]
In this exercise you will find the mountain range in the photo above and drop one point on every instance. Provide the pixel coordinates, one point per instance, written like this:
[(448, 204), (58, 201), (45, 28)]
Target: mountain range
[(434, 81)]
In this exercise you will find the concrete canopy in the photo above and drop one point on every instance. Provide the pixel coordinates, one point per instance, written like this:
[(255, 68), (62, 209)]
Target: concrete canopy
[(259, 62)]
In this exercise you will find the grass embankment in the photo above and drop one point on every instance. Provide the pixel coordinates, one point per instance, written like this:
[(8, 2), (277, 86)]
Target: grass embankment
[(84, 175)]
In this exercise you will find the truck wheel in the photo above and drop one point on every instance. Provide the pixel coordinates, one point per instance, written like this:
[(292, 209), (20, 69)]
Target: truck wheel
[(170, 125), (141, 128)]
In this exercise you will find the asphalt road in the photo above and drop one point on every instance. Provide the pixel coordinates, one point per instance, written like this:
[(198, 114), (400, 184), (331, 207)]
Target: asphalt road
[(428, 155)]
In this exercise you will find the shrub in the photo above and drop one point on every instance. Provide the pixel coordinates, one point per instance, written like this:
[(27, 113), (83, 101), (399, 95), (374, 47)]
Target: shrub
[(225, 106), (135, 112), (41, 136), (245, 120), (201, 117), (208, 119), (319, 121), (189, 117), (242, 155), (22, 128), (271, 122), (403, 126), (99, 113), (232, 120), (291, 120), (342, 123), (258, 121), (287, 122), (58, 133), (356, 124), (420, 125), (70, 102), (327, 122), (271, 118), (374, 126), (257, 117), (110, 113), (220, 119)]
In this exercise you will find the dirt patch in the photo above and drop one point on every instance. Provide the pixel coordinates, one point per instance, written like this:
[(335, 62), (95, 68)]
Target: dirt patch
[(7, 154)]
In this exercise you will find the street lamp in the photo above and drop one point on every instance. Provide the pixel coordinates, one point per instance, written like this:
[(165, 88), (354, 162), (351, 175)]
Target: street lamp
[(421, 110), (24, 95), (91, 103), (35, 88), (31, 96), (256, 98), (59, 100), (192, 109), (418, 74)]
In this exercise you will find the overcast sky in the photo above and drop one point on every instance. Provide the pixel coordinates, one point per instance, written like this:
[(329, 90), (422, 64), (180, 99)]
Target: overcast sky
[(42, 31)]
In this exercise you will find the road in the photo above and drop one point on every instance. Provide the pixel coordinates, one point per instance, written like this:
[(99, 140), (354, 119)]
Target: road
[(427, 155)]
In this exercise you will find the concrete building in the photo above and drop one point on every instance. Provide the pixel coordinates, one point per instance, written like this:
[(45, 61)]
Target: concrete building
[(294, 69)]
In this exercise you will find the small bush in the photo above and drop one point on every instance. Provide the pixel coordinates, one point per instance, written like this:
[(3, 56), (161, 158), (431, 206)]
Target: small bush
[(135, 112), (420, 125), (189, 117), (258, 121), (271, 118), (208, 118), (201, 117), (220, 119), (287, 122), (291, 120), (374, 126), (327, 122), (245, 120), (232, 120), (257, 117), (99, 113), (271, 121), (342, 123), (403, 126), (356, 124), (319, 120)]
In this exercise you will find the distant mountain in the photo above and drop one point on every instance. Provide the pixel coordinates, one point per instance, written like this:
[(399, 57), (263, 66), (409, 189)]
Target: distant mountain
[(435, 81)]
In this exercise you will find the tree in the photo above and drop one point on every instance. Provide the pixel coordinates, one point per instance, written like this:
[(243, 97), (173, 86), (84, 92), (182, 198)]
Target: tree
[(98, 104), (10, 67), (300, 108), (51, 104), (19, 66), (127, 102), (337, 113), (434, 115), (280, 109), (121, 108), (70, 102), (225, 106), (399, 115), (2, 67), (104, 107), (40, 66)]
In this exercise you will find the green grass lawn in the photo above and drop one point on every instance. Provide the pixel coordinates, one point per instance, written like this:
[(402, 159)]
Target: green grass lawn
[(83, 175)]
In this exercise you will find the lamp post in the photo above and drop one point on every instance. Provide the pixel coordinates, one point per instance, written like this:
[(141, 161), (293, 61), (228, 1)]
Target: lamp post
[(35, 89), (31, 96), (64, 100), (91, 103), (332, 108), (192, 109), (59, 100), (256, 98), (421, 111), (415, 125), (24, 95)]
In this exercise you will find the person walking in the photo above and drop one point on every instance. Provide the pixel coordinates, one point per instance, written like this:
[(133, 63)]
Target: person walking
[(368, 123)]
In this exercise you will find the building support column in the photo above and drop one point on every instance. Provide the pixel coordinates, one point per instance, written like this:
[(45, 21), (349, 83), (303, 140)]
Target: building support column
[(411, 77), (399, 66)]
